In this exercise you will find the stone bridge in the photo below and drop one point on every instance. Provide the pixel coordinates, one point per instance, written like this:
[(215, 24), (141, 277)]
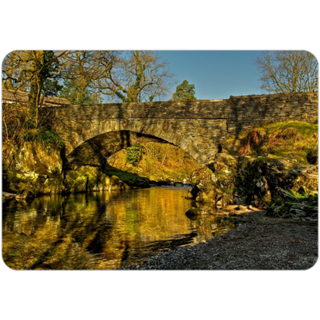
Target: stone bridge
[(94, 132)]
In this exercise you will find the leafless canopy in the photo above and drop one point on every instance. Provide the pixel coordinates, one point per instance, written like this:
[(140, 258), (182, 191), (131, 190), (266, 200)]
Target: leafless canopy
[(135, 76), (288, 71)]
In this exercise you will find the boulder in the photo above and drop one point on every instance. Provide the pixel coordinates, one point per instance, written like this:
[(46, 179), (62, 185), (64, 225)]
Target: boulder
[(216, 187), (261, 178), (33, 167), (194, 212), (117, 184), (88, 178)]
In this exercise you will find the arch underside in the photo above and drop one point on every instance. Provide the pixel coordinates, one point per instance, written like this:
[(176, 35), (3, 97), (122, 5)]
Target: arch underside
[(97, 150), (197, 137)]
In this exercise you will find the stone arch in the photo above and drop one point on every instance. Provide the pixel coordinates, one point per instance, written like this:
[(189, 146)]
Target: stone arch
[(96, 150), (174, 131)]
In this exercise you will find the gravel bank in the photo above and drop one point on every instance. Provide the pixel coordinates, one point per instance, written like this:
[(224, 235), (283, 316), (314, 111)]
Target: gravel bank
[(258, 243)]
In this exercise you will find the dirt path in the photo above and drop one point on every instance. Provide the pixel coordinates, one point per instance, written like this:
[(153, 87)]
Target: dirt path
[(258, 243)]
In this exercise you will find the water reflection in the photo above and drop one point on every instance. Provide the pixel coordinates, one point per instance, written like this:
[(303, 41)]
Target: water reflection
[(101, 230)]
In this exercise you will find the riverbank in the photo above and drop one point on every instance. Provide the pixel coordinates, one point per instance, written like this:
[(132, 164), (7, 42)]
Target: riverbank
[(258, 243)]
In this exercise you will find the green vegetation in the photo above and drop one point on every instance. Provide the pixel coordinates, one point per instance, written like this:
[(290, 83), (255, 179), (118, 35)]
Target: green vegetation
[(133, 153), (131, 179), (293, 204), (291, 139), (35, 72), (76, 94), (184, 92), (44, 136), (157, 162)]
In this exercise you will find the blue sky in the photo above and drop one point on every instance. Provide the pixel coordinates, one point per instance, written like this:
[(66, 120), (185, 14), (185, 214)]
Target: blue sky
[(215, 74)]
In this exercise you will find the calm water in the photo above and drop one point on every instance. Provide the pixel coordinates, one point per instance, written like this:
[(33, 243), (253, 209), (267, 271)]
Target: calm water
[(101, 230)]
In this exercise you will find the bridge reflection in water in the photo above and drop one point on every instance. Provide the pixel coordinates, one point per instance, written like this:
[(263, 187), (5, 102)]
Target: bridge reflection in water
[(101, 230)]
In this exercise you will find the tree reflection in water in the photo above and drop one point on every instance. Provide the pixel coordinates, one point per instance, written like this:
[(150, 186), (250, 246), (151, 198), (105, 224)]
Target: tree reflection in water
[(101, 230)]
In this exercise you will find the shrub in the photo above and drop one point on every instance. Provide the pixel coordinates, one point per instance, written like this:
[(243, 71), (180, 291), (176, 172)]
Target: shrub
[(133, 153), (255, 138), (45, 137)]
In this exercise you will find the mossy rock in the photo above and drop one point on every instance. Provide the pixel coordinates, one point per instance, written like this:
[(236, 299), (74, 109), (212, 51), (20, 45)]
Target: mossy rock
[(43, 160), (130, 179), (195, 212), (84, 179), (117, 184), (33, 167)]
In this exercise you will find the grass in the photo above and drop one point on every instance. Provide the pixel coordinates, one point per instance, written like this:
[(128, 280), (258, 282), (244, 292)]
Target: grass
[(306, 129), (291, 139), (157, 162)]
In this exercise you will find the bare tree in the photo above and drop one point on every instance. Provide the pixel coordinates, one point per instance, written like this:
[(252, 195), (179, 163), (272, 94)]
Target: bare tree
[(82, 71), (135, 76), (288, 71)]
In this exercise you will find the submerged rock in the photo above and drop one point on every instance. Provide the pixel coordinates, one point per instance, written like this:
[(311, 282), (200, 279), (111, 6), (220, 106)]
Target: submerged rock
[(193, 212)]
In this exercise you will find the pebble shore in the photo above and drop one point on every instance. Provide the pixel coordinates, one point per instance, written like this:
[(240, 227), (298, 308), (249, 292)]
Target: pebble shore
[(258, 243)]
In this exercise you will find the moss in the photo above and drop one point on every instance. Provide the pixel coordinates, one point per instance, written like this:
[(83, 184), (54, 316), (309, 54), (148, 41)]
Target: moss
[(44, 136), (289, 139), (304, 128), (131, 179), (34, 167), (84, 179)]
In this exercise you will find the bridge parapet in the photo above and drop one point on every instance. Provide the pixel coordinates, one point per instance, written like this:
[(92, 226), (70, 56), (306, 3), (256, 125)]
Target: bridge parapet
[(197, 127)]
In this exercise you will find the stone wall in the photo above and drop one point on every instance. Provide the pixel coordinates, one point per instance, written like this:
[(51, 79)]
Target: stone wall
[(197, 127)]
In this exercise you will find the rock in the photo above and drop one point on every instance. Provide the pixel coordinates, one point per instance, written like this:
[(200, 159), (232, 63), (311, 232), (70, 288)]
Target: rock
[(198, 212), (7, 196), (117, 184), (264, 175), (240, 208), (25, 195), (298, 212), (75, 181), (225, 158), (87, 178), (216, 187), (312, 157), (34, 167), (302, 191), (237, 200)]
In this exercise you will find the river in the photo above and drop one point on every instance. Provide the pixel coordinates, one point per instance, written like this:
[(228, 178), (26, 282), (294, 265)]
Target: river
[(103, 230)]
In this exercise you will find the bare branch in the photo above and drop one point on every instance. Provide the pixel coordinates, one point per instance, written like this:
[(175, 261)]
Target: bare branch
[(288, 71)]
